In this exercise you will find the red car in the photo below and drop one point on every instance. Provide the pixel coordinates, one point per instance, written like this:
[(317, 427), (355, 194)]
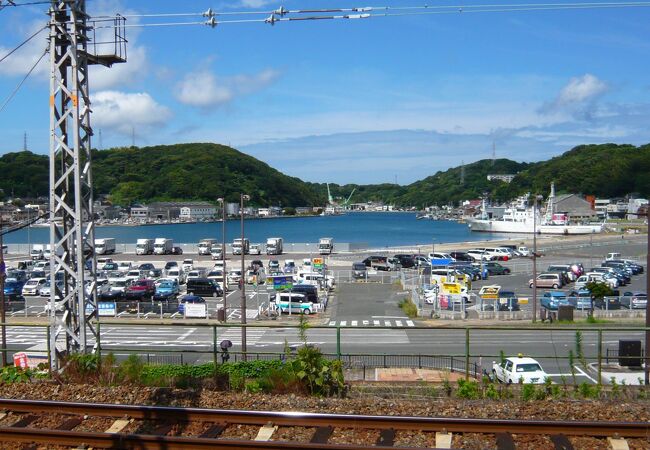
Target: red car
[(140, 289)]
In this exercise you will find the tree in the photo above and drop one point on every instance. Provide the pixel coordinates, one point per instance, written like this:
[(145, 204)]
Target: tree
[(598, 292)]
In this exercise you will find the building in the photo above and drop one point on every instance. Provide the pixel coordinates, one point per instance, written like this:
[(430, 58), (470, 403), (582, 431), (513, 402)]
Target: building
[(601, 205), (636, 207), (575, 206), (197, 211), (164, 211), (139, 213), (507, 178)]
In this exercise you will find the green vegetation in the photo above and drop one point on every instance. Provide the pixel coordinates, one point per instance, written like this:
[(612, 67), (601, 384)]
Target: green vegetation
[(409, 308), (204, 171)]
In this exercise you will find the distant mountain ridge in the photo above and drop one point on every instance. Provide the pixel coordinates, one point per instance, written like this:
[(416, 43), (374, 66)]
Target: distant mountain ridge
[(206, 171)]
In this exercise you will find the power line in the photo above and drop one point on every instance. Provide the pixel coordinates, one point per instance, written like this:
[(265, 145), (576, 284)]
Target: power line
[(283, 15), (15, 91), (23, 43)]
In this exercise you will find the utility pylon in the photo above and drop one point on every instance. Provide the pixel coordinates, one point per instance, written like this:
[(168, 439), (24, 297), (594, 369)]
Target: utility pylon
[(72, 230)]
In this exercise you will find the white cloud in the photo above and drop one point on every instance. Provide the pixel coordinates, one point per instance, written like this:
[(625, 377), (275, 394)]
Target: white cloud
[(19, 63), (255, 3), (578, 97), (205, 90), (123, 112)]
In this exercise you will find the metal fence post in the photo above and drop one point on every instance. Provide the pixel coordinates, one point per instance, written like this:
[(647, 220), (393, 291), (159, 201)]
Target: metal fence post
[(161, 310), (600, 356), (99, 343), (49, 358), (467, 353), (214, 348), (338, 342)]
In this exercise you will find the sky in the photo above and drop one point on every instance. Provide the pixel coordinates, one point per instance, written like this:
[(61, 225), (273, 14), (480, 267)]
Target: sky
[(379, 100)]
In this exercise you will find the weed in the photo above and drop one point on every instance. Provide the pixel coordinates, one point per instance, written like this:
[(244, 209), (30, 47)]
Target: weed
[(579, 349), (528, 392), (131, 369), (409, 308), (468, 389), (616, 389), (572, 361), (588, 391), (303, 326), (13, 374), (491, 392), (446, 386)]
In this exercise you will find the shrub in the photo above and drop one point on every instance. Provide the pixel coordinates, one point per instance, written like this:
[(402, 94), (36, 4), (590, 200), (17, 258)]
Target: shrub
[(320, 376), (12, 374), (409, 308), (528, 392), (468, 389)]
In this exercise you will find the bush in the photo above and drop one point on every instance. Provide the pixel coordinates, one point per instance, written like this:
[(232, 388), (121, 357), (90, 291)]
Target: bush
[(320, 376), (408, 307), (12, 374), (468, 389)]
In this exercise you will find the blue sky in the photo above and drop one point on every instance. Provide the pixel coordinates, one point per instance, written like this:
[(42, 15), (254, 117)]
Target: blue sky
[(365, 101)]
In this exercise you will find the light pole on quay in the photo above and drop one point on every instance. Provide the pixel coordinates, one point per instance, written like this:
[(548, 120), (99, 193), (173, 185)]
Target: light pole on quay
[(537, 197), (243, 197), (222, 201)]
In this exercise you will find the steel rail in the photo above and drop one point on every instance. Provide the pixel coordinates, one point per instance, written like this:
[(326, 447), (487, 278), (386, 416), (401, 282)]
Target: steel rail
[(148, 441), (304, 419)]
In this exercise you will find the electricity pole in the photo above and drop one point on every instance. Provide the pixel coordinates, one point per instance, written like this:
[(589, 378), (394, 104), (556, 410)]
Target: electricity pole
[(243, 197), (535, 259), (647, 305), (3, 275), (71, 217)]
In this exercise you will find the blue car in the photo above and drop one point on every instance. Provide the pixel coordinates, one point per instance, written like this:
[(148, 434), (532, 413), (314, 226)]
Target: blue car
[(554, 299), (167, 290), (188, 299), (13, 289), (580, 299)]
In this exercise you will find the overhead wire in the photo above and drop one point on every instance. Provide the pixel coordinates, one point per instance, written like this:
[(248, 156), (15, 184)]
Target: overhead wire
[(15, 91), (40, 30), (280, 14)]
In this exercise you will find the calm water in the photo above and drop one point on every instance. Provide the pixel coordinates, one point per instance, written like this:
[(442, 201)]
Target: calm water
[(374, 229)]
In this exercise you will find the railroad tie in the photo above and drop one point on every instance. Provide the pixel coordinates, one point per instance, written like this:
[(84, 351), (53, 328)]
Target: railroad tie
[(266, 432), (215, 430), (118, 425), (321, 435), (70, 423), (443, 439), (386, 438), (22, 423), (618, 443), (164, 428), (505, 441), (561, 442)]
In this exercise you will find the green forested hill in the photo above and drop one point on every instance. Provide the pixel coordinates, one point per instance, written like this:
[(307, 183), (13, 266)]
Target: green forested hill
[(167, 172), (208, 171), (194, 172)]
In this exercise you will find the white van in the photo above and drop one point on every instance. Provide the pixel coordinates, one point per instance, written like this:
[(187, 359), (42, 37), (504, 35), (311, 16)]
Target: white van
[(613, 256)]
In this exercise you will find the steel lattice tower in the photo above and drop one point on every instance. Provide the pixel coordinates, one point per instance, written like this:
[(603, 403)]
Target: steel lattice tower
[(72, 228)]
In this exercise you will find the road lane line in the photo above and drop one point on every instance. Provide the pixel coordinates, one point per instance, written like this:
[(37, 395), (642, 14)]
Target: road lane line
[(410, 323), (387, 323), (332, 323), (585, 374), (376, 323), (354, 323), (185, 335), (344, 323), (398, 323)]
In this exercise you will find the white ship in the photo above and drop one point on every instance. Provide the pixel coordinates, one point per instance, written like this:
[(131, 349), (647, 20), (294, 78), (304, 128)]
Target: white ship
[(521, 219)]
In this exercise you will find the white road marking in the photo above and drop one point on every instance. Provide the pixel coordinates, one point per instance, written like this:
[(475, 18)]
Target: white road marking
[(332, 323), (190, 331), (585, 374), (343, 323), (410, 323), (366, 323), (398, 323), (354, 323), (376, 323), (387, 323)]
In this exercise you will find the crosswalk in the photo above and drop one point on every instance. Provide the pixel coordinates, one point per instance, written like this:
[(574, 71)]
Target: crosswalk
[(396, 323)]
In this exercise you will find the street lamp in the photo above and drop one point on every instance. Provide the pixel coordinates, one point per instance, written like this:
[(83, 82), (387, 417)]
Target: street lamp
[(243, 197), (537, 197), (222, 201)]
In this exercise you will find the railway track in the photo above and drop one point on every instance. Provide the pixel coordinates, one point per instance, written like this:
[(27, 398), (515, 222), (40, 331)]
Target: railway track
[(65, 424)]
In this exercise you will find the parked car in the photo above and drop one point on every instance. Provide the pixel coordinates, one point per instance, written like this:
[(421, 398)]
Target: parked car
[(167, 289), (494, 268), (177, 251), (547, 280), (204, 287), (288, 302), (634, 300), (359, 271), (507, 301), (612, 302), (580, 299), (553, 300), (170, 265), (13, 289), (177, 274), (33, 286), (255, 249), (188, 264), (406, 261), (140, 290), (516, 369), (461, 256), (564, 272), (196, 273), (233, 277), (146, 267), (377, 262), (189, 298)]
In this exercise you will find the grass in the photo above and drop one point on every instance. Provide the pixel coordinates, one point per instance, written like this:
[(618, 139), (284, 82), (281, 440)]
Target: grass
[(409, 308)]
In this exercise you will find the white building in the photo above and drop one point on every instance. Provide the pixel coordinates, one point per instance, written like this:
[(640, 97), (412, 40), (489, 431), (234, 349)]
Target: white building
[(633, 207), (505, 177), (197, 211)]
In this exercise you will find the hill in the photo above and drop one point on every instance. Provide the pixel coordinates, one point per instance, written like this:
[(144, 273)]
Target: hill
[(204, 171), (167, 172)]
